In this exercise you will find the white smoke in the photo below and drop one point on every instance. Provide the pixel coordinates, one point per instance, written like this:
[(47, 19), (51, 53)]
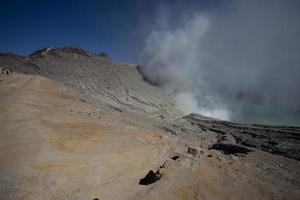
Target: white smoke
[(188, 103), (171, 57), (215, 60)]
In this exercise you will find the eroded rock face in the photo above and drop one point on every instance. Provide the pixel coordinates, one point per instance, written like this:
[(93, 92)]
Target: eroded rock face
[(97, 77)]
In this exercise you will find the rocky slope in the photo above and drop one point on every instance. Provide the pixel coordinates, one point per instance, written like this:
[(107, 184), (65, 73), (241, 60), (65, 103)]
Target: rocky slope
[(95, 76), (70, 139), (280, 140)]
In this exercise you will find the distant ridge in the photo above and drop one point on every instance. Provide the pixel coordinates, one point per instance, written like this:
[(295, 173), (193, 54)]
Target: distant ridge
[(96, 76)]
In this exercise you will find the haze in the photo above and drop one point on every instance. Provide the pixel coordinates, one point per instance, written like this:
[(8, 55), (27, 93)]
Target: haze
[(239, 61)]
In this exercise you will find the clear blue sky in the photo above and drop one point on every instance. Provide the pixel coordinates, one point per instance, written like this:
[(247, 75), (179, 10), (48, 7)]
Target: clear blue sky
[(113, 26)]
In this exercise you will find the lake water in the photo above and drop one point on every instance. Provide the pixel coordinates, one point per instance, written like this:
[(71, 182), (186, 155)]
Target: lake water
[(264, 114)]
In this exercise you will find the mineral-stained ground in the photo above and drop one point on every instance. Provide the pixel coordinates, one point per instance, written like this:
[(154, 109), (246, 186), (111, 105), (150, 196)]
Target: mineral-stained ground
[(79, 126)]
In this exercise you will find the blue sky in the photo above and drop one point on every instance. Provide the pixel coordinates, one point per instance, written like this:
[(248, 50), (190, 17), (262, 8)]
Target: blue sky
[(113, 26)]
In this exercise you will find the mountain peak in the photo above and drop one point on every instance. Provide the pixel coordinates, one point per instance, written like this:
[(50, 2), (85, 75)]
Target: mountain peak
[(54, 50)]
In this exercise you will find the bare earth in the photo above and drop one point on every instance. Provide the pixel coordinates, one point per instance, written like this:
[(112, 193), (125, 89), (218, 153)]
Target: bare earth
[(58, 143)]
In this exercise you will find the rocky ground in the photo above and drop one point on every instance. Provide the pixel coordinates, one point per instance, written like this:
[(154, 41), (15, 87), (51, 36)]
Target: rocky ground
[(94, 76), (66, 135)]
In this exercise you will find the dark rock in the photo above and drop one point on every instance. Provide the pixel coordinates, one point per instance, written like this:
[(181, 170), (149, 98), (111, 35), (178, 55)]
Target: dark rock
[(167, 130), (230, 148), (280, 140), (150, 178), (175, 157), (104, 55), (192, 151)]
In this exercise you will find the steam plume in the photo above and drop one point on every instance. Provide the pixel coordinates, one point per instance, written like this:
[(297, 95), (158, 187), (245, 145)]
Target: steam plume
[(229, 62)]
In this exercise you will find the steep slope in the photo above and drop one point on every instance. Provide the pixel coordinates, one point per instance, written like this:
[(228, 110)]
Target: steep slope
[(95, 76)]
